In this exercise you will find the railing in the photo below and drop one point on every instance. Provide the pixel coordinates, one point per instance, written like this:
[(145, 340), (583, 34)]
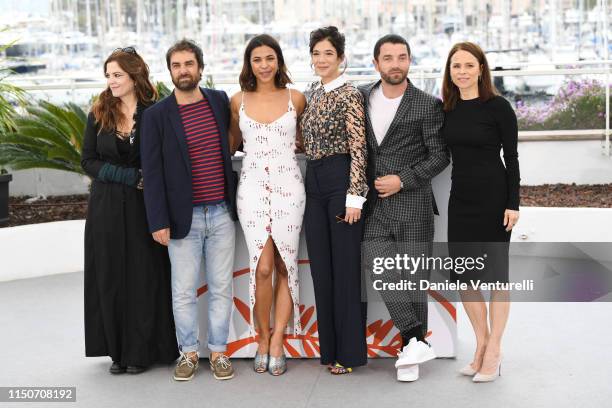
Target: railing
[(419, 74)]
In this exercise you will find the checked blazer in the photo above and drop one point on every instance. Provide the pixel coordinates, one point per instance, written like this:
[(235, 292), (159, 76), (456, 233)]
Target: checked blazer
[(403, 223), (414, 149)]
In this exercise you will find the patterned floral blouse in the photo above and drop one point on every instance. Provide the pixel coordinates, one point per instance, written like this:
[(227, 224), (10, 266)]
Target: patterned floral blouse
[(334, 123)]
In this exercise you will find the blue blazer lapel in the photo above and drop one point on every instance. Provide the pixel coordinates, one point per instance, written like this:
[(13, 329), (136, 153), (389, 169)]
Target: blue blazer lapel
[(179, 131)]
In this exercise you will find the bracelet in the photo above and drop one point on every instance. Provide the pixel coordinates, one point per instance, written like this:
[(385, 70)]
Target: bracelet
[(140, 182)]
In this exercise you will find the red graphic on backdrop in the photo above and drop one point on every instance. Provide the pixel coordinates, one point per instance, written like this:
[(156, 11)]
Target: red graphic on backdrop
[(376, 332)]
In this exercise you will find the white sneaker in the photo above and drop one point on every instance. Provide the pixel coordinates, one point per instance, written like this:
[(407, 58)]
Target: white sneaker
[(408, 373), (415, 352)]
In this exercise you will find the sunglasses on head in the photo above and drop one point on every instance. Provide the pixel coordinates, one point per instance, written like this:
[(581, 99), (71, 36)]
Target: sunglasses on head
[(130, 50)]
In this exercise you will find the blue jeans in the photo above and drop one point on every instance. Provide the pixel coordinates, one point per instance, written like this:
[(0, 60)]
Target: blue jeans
[(212, 236)]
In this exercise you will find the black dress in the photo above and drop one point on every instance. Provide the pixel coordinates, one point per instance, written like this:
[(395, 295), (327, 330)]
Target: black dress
[(128, 307), (482, 187)]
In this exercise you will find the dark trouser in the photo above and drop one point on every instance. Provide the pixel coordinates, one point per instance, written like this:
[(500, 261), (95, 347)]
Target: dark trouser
[(385, 238), (334, 249)]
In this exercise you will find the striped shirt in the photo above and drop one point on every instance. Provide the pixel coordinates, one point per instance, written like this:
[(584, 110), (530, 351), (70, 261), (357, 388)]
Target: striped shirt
[(204, 146)]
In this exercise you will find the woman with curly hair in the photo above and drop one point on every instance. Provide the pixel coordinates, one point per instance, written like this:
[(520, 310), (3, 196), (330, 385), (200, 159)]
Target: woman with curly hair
[(334, 132), (128, 310)]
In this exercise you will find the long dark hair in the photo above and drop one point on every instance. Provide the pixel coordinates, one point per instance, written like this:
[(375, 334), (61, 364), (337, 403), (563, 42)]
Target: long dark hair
[(486, 89), (247, 79), (107, 109)]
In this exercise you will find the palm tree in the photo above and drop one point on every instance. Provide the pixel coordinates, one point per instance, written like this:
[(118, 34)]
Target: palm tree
[(10, 95), (162, 90), (48, 136)]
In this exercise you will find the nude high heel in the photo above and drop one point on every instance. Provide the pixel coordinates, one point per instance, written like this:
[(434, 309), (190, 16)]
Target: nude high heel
[(468, 370), (479, 378)]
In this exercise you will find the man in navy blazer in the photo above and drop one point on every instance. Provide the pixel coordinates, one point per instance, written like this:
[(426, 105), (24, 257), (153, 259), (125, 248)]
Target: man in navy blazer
[(190, 195)]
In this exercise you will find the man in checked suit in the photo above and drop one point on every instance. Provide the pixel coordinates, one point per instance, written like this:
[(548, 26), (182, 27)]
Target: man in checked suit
[(405, 151)]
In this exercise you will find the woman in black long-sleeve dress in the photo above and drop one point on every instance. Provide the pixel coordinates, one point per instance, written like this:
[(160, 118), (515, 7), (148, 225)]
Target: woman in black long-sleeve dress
[(128, 310), (484, 201)]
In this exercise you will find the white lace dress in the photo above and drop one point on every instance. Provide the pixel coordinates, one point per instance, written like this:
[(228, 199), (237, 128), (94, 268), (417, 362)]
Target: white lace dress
[(271, 197)]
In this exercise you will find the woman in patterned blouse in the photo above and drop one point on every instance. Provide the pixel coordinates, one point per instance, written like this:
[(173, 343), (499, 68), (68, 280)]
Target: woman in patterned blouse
[(333, 128)]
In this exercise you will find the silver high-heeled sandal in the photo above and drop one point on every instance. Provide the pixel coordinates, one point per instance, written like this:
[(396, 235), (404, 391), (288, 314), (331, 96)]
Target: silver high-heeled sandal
[(277, 365), (260, 363)]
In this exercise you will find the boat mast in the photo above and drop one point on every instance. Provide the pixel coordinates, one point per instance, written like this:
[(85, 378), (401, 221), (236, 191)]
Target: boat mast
[(506, 21), (553, 29), (88, 22), (179, 18), (139, 16)]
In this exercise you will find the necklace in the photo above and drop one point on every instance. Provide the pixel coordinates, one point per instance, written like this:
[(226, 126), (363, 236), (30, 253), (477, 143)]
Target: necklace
[(131, 135)]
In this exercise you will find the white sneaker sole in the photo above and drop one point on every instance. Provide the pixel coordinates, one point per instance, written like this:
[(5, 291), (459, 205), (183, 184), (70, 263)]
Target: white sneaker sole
[(408, 373)]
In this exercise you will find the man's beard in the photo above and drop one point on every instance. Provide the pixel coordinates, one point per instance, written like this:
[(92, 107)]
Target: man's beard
[(184, 85), (394, 80)]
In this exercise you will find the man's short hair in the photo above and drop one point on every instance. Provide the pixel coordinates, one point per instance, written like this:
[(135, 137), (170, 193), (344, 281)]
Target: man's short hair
[(390, 38), (186, 45)]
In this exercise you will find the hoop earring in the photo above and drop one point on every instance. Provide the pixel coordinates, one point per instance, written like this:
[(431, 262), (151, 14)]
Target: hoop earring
[(345, 65)]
